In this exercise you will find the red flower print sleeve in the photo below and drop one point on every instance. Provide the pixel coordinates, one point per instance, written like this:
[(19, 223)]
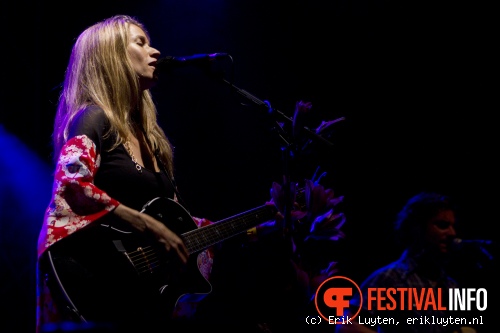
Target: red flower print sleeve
[(75, 201)]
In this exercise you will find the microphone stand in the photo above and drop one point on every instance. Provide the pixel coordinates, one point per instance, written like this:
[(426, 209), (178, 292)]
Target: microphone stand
[(287, 150)]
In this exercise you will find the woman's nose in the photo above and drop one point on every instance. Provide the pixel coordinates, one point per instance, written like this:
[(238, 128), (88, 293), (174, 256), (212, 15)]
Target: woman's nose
[(154, 52)]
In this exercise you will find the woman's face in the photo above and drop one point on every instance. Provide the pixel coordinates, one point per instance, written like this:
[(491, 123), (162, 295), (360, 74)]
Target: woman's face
[(143, 57)]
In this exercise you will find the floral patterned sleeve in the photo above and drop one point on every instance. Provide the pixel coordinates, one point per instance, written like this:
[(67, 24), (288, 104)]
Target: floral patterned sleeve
[(76, 201)]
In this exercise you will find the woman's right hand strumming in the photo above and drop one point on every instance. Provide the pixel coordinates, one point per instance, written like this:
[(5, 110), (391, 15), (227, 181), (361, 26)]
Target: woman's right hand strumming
[(146, 223)]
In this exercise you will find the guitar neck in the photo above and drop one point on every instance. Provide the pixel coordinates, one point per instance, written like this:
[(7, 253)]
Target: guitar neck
[(201, 238)]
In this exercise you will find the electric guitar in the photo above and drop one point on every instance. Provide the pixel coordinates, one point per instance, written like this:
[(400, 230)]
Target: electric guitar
[(107, 270)]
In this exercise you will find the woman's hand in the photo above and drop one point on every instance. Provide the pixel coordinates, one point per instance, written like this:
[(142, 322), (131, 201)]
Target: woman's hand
[(146, 223)]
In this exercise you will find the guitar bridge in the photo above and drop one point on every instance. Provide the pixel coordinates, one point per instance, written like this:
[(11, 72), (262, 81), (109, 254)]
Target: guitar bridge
[(146, 263), (143, 259)]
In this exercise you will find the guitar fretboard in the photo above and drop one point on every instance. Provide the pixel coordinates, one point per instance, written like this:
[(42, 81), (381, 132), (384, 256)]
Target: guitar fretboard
[(202, 238)]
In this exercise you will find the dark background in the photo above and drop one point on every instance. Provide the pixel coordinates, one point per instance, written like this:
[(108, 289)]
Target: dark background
[(414, 82)]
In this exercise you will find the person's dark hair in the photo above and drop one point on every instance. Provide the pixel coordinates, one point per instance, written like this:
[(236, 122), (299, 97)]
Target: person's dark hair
[(414, 215)]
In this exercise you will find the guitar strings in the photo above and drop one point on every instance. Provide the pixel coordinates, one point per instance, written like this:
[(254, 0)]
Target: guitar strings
[(145, 259)]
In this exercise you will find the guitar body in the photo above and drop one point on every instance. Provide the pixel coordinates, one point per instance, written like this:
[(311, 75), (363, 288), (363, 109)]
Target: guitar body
[(107, 272)]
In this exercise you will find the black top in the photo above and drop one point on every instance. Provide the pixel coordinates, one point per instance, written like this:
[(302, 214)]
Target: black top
[(117, 174)]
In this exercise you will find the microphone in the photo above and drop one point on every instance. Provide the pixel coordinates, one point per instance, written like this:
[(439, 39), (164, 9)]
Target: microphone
[(459, 243), (170, 62)]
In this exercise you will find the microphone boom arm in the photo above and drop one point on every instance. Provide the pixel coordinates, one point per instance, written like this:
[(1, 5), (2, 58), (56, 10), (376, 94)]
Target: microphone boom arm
[(308, 132)]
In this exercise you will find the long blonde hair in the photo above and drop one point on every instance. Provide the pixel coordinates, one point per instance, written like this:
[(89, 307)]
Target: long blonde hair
[(100, 73)]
